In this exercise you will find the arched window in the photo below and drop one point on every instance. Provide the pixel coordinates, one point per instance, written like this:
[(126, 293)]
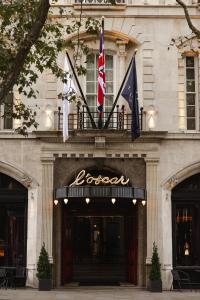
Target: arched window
[(186, 222)]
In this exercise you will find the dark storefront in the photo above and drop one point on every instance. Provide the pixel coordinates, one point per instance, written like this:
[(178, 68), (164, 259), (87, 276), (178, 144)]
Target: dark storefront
[(13, 223), (186, 227)]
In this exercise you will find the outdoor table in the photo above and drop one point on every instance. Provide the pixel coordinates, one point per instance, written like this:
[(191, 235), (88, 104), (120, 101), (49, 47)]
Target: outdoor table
[(10, 275)]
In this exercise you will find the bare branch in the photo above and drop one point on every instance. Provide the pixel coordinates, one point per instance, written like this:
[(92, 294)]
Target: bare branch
[(188, 19), (13, 73)]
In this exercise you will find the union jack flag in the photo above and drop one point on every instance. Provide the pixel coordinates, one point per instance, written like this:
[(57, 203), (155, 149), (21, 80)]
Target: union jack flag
[(101, 74)]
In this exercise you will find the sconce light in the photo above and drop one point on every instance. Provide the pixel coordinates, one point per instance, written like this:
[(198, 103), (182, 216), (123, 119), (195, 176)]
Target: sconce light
[(55, 202), (87, 200), (65, 200), (134, 201), (113, 200), (151, 117), (143, 202)]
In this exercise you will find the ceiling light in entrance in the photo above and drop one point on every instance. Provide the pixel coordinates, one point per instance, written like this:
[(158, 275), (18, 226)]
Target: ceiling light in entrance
[(134, 201), (55, 202), (87, 200), (65, 200), (113, 200), (143, 202)]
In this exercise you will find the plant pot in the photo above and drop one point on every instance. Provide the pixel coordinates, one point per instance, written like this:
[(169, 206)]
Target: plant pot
[(155, 286), (45, 284)]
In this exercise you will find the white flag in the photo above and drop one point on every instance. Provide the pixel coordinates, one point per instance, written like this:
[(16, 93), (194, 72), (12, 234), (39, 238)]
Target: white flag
[(68, 88)]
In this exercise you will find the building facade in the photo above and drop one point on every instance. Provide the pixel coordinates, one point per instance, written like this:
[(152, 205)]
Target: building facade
[(99, 232)]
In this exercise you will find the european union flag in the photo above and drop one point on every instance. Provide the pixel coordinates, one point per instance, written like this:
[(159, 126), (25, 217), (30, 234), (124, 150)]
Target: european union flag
[(130, 94)]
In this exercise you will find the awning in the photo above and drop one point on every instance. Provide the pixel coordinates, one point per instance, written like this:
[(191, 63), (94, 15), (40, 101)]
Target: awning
[(100, 192)]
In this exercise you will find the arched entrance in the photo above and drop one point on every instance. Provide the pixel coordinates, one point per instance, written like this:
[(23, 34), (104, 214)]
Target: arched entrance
[(99, 229), (186, 226), (13, 222)]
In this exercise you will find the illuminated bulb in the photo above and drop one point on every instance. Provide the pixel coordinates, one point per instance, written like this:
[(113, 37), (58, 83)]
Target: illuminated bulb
[(134, 201), (87, 200), (65, 200), (56, 202), (113, 200), (143, 202)]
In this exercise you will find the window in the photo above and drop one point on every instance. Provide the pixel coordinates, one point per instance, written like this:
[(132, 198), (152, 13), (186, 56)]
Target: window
[(91, 83), (5, 111), (191, 93)]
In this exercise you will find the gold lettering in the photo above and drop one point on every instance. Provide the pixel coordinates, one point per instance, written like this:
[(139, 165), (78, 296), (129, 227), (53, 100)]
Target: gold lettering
[(82, 177)]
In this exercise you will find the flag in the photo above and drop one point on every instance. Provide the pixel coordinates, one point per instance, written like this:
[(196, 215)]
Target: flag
[(101, 74), (130, 94), (68, 90)]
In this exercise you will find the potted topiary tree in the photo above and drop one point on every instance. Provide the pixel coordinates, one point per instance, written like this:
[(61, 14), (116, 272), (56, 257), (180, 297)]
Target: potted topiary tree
[(44, 271), (155, 283)]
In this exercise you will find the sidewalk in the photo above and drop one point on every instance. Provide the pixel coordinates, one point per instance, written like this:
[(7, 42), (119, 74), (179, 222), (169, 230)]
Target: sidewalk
[(96, 293)]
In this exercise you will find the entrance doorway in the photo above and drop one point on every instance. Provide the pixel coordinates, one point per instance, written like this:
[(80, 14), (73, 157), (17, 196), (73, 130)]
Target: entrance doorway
[(99, 242)]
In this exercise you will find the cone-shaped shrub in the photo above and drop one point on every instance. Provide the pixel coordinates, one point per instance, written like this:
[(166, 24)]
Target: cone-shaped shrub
[(155, 264), (43, 265)]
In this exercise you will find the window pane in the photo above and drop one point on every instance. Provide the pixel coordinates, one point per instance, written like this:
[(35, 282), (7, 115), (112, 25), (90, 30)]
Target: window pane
[(90, 87), (190, 86), (190, 73), (191, 124), (90, 61), (189, 61), (90, 75), (91, 100), (190, 99), (191, 111), (109, 87), (109, 75), (109, 62)]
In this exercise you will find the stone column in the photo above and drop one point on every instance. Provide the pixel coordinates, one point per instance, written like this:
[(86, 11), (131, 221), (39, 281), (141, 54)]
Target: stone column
[(33, 227), (152, 206), (121, 68), (47, 205)]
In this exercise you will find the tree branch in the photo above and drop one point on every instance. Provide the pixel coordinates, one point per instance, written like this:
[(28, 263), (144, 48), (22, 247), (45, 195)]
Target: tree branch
[(188, 19), (31, 37)]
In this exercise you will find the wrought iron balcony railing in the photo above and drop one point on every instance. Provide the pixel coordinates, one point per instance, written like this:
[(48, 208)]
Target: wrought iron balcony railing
[(80, 120)]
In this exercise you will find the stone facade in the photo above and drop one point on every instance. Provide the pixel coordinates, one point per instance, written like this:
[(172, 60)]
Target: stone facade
[(159, 160)]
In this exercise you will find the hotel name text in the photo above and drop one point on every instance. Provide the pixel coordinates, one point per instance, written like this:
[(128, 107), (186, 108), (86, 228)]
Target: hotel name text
[(87, 178)]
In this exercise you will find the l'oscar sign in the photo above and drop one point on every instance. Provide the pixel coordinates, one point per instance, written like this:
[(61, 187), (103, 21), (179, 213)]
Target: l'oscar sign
[(86, 178)]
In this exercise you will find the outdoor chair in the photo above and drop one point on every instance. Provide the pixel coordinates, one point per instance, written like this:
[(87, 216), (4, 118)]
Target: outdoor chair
[(20, 276), (181, 278), (3, 279)]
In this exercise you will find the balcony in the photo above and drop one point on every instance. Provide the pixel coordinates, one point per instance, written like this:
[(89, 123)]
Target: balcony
[(120, 120)]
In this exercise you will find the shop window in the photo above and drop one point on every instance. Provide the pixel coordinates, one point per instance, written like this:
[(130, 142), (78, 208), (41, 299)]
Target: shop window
[(191, 92)]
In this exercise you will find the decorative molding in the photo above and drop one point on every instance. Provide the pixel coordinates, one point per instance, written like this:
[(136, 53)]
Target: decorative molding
[(17, 174)]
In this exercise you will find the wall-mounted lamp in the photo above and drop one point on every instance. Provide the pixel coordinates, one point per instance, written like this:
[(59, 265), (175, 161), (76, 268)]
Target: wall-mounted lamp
[(65, 200), (55, 202), (151, 117), (87, 200), (113, 200), (143, 202), (134, 201)]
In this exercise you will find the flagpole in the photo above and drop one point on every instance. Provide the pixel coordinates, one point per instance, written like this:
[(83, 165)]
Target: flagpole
[(82, 95), (117, 97)]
